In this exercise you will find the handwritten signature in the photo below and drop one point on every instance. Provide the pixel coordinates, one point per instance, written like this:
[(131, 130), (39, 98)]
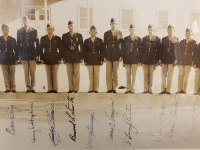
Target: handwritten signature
[(174, 113), (54, 136), (128, 121), (90, 129), (158, 136), (32, 123), (112, 118), (191, 131), (10, 112), (71, 116)]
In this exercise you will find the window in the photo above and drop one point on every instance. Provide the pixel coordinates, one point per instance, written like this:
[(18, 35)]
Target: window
[(42, 14), (162, 20), (30, 13), (194, 21), (82, 19), (126, 19)]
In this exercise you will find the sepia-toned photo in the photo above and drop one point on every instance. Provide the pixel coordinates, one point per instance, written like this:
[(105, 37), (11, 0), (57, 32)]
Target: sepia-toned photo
[(99, 74)]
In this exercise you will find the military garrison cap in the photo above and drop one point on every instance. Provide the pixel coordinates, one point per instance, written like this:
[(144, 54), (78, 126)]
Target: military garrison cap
[(170, 26), (50, 26), (188, 30), (113, 20), (93, 27), (4, 26), (150, 26), (25, 18), (132, 26), (70, 22)]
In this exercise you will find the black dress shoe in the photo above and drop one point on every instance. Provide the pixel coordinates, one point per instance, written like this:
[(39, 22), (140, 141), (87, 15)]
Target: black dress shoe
[(127, 92), (49, 91), (76, 91), (96, 92), (132, 92), (70, 91), (109, 91), (179, 92), (145, 92), (28, 91), (150, 92), (90, 91), (168, 93), (54, 91), (7, 91), (33, 91), (14, 91), (114, 91), (163, 92)]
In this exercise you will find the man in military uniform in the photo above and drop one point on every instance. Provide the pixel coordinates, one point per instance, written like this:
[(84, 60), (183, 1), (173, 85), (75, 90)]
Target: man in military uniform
[(50, 55), (197, 71), (112, 43), (168, 58), (186, 59), (72, 55), (8, 59), (93, 57), (131, 53), (149, 58), (28, 44)]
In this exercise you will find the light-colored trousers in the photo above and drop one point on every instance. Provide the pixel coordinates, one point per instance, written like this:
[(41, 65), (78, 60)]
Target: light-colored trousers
[(131, 70), (52, 77), (111, 74), (183, 75), (148, 71), (197, 80), (9, 76), (29, 73), (167, 74), (73, 73), (93, 71)]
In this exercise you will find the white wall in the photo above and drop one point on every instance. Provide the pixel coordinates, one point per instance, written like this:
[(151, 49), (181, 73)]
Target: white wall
[(103, 10)]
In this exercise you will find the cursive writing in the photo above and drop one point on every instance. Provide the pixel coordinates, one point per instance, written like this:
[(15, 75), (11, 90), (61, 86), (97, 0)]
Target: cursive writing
[(170, 134), (112, 118), (131, 128), (71, 116), (189, 132), (54, 136), (90, 128), (32, 123), (158, 136), (174, 112), (10, 112)]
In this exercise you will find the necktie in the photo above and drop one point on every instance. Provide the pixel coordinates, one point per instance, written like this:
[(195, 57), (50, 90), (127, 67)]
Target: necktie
[(93, 39), (132, 38)]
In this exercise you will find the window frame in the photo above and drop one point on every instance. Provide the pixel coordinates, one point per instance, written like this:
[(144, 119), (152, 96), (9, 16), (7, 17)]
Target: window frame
[(157, 12), (120, 18), (78, 17), (189, 19)]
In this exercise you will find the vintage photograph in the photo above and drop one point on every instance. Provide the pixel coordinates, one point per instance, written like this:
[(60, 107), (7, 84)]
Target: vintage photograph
[(99, 74)]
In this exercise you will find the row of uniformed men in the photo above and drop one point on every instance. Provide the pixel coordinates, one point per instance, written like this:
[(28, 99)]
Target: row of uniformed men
[(148, 52)]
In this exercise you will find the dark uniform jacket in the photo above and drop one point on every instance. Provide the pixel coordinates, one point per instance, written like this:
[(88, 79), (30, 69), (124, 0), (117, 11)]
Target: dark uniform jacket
[(50, 50), (197, 57), (8, 51), (72, 47), (131, 50), (187, 52), (169, 50), (28, 44), (150, 50), (112, 46), (93, 52)]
